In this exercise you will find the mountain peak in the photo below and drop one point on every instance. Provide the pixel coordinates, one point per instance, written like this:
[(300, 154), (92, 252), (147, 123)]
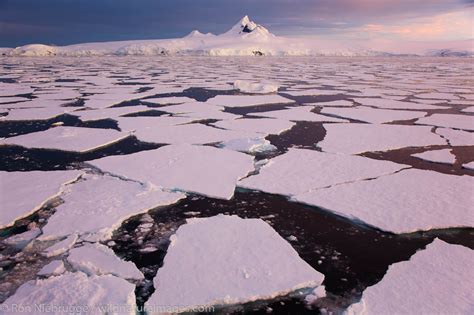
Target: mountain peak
[(247, 27)]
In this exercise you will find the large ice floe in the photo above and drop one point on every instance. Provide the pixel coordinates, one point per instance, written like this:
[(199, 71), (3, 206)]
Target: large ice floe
[(359, 138), (244, 260), (97, 205), (288, 175), (247, 100), (73, 293), (199, 169), (456, 137), (448, 120), (437, 280), (407, 201), (23, 193), (393, 104), (67, 139), (374, 116), (255, 87), (298, 114)]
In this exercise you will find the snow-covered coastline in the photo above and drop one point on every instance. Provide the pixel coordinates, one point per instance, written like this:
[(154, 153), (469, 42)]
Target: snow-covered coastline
[(246, 38)]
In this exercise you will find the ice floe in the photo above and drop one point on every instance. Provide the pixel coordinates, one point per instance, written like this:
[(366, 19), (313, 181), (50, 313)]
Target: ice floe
[(61, 247), (469, 166), (247, 100), (200, 169), (98, 259), (303, 113), (255, 87), (374, 116), (235, 267), (73, 293), (264, 126), (25, 192), (54, 268), (393, 104), (437, 280), (300, 170), (359, 138), (250, 145), (456, 137), (74, 139), (107, 113), (96, 206), (449, 120), (408, 201), (437, 156)]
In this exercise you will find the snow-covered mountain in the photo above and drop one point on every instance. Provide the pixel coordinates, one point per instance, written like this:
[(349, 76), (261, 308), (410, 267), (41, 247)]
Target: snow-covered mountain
[(246, 38)]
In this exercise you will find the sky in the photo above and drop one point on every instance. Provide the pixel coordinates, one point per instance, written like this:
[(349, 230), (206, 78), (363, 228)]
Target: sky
[(385, 22)]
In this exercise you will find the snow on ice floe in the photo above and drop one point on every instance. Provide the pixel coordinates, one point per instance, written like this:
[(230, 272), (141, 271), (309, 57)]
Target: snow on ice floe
[(448, 120), (374, 116), (255, 87), (456, 137), (264, 125), (98, 259), (25, 192), (437, 280), (429, 200), (236, 268), (73, 293), (200, 169), (437, 156), (74, 139), (107, 113), (190, 134), (393, 104), (301, 170), (247, 100), (96, 206), (359, 138), (303, 113)]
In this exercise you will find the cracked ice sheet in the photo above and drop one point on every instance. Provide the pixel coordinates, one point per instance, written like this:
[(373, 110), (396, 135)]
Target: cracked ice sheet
[(45, 113), (359, 138), (23, 193), (199, 110), (200, 169), (169, 100), (264, 126), (437, 280), (190, 134), (75, 139), (393, 104), (247, 100), (312, 92), (456, 137), (149, 123), (235, 269), (96, 206), (371, 115), (339, 103), (74, 289), (438, 156), (98, 259), (449, 120), (430, 200), (302, 113), (106, 113), (301, 170)]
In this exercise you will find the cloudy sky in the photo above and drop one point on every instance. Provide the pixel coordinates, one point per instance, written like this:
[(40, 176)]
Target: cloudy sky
[(63, 22)]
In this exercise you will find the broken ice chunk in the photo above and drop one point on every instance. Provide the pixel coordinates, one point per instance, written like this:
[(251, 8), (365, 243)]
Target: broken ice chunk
[(98, 259), (23, 193), (255, 87), (54, 268), (465, 122), (437, 156), (371, 115), (201, 169), (234, 269), (437, 280)]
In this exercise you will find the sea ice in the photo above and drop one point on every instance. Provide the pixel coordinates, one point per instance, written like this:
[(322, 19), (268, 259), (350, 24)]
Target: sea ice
[(264, 125), (23, 193), (247, 100), (74, 139), (408, 201), (359, 138), (469, 166), (456, 137), (393, 104), (449, 120), (54, 268), (99, 204), (61, 247), (98, 259), (302, 113), (201, 169), (374, 116), (253, 145), (169, 100), (437, 156), (301, 170), (107, 113), (437, 280), (234, 268), (73, 293), (23, 239)]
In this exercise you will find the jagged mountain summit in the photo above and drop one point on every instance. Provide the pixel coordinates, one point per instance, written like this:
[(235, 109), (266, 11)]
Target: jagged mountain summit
[(245, 38)]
